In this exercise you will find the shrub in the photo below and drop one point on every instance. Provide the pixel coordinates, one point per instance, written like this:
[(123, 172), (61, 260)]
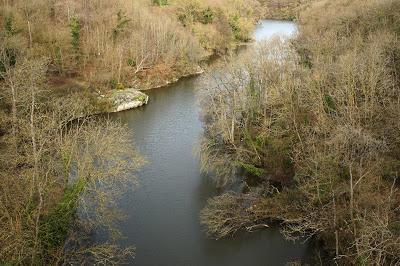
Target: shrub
[(122, 20), (207, 16), (56, 225), (75, 28), (160, 2)]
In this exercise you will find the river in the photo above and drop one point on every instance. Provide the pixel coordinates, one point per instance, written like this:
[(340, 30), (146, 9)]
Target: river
[(163, 211)]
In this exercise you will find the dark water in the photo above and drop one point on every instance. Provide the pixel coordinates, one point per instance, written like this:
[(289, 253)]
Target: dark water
[(163, 211)]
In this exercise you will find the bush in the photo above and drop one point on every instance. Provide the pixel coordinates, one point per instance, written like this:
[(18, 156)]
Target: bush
[(207, 16), (56, 225), (75, 28), (160, 2)]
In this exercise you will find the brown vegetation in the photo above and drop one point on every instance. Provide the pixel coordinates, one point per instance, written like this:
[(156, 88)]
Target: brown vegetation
[(284, 9), (116, 44), (59, 174), (53, 166), (316, 123)]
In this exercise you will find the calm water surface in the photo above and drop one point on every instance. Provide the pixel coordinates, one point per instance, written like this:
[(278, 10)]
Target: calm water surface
[(163, 211)]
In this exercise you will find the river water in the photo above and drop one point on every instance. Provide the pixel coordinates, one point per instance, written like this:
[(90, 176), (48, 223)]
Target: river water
[(163, 211)]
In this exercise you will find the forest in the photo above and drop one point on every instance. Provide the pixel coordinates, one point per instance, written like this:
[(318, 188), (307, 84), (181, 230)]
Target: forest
[(309, 126), (56, 59)]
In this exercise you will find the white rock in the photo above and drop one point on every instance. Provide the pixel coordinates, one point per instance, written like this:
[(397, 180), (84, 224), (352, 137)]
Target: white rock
[(126, 99)]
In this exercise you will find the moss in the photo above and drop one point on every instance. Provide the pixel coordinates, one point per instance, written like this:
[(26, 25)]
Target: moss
[(141, 98), (119, 86)]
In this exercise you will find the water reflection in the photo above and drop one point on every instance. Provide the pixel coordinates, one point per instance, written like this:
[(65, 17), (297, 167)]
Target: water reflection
[(163, 212)]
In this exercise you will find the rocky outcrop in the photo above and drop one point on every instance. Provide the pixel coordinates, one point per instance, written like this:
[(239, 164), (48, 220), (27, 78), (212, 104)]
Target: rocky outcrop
[(120, 100), (125, 99)]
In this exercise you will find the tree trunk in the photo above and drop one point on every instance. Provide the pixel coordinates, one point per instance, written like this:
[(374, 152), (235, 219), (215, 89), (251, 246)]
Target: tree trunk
[(30, 34)]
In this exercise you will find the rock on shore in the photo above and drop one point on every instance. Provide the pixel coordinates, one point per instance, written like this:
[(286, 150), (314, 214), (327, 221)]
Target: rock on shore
[(120, 100)]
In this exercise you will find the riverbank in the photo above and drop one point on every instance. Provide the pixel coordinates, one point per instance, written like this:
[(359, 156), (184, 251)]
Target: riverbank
[(121, 98), (58, 58), (284, 9), (321, 140), (166, 132), (139, 45)]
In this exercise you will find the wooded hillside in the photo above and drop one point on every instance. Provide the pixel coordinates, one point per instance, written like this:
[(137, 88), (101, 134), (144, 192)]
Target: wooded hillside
[(312, 127)]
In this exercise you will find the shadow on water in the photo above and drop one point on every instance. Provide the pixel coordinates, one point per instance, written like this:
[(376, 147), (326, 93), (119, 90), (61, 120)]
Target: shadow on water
[(163, 211)]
